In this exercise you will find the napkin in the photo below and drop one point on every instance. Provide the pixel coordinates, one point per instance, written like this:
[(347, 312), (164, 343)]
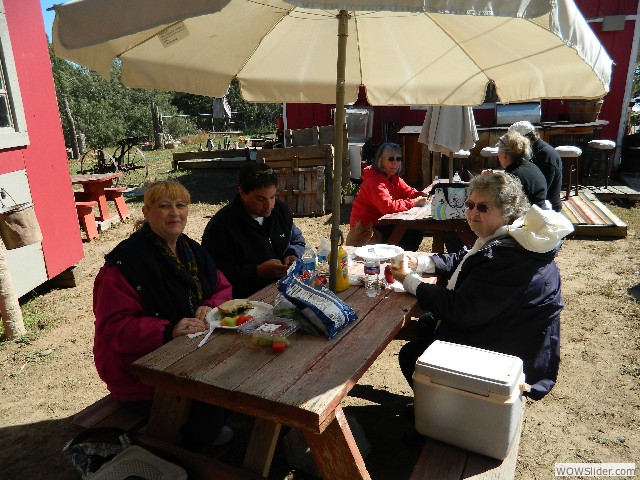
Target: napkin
[(213, 320)]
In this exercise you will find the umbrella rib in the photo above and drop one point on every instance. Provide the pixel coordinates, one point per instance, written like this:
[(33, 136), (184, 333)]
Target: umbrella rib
[(358, 46)]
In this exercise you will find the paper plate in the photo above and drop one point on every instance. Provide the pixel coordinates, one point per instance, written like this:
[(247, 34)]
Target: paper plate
[(258, 308), (380, 252)]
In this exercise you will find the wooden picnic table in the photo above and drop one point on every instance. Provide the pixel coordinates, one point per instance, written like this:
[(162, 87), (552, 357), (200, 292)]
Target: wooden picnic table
[(419, 218), (93, 185), (302, 387)]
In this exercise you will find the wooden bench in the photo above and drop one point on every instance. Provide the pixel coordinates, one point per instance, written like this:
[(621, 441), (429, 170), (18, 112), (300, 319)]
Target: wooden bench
[(109, 412), (115, 195), (87, 219), (445, 462), (234, 158)]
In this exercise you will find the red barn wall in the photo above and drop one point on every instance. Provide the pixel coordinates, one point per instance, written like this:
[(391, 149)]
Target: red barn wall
[(44, 159)]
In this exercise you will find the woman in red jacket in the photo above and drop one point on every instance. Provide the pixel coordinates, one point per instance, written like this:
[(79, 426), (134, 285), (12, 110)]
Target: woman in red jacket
[(383, 191), (155, 286)]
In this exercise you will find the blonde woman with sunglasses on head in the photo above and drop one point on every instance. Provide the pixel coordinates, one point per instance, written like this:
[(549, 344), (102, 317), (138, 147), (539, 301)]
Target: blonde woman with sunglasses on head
[(384, 191), (155, 286), (504, 293)]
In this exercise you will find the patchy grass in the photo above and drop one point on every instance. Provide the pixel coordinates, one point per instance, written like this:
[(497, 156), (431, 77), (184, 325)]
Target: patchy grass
[(36, 317)]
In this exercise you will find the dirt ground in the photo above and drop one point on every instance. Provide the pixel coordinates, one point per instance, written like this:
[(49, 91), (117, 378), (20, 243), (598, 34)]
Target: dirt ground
[(592, 415)]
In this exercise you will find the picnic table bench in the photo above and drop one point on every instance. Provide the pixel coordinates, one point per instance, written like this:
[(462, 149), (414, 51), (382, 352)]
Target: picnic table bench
[(439, 461), (234, 158), (109, 412)]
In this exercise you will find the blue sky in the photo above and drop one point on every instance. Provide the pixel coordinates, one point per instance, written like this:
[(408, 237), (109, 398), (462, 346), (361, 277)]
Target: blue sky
[(49, 16)]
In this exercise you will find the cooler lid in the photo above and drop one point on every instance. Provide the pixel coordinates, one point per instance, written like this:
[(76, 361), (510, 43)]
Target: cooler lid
[(470, 369)]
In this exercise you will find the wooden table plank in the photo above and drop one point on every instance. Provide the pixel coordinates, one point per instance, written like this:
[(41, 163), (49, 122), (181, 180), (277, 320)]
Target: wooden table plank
[(329, 380)]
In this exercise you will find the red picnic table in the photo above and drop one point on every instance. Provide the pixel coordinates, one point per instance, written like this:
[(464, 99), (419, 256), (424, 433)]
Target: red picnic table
[(94, 185)]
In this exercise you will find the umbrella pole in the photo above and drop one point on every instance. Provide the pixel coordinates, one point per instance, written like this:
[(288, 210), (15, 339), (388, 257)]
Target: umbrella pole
[(343, 33)]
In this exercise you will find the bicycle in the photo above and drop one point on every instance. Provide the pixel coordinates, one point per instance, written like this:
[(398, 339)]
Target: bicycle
[(126, 158)]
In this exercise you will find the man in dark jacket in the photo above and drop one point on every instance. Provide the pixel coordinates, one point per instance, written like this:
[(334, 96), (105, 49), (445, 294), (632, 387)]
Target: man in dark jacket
[(253, 240), (545, 157)]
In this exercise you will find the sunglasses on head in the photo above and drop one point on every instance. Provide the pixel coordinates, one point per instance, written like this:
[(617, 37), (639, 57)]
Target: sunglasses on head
[(394, 159), (482, 207), (260, 173)]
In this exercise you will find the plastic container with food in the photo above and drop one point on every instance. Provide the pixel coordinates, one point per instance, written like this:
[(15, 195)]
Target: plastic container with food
[(269, 331)]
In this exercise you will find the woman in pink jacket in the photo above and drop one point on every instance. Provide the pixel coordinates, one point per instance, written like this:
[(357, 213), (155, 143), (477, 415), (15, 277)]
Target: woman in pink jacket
[(155, 286), (383, 191)]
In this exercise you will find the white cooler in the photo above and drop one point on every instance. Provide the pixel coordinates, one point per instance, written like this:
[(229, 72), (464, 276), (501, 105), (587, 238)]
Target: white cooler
[(468, 397)]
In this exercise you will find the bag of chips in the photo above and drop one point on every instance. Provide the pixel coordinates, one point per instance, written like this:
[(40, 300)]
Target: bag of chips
[(317, 303)]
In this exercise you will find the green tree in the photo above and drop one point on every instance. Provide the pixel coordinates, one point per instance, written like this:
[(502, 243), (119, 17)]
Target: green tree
[(106, 111)]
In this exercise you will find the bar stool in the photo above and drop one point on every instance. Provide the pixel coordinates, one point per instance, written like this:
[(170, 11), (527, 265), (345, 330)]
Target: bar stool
[(462, 155), (606, 148), (572, 154), (488, 153)]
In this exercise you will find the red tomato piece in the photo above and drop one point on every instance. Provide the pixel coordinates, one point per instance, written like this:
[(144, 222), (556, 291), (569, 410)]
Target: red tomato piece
[(278, 346), (243, 319)]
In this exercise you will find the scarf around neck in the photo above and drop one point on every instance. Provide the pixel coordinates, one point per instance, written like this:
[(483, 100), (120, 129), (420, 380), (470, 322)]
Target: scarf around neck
[(183, 265)]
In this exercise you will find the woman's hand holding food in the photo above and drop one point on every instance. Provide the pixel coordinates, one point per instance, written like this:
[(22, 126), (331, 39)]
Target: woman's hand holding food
[(403, 265), (412, 262), (189, 325), (272, 268), (201, 313)]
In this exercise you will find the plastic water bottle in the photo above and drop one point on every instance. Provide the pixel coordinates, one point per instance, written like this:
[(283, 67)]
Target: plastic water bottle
[(372, 278), (323, 255), (456, 178), (309, 259)]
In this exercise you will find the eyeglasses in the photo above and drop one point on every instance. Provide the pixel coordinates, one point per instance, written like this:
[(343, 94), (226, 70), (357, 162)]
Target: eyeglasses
[(394, 159), (482, 207)]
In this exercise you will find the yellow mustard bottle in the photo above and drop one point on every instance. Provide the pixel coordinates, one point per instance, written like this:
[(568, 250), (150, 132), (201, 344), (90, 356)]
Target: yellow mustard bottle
[(342, 282)]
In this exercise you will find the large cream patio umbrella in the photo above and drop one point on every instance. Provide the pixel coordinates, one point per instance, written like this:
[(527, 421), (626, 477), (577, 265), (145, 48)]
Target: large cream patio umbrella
[(407, 52)]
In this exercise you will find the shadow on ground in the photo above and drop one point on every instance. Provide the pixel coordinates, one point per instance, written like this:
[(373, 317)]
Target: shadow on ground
[(34, 451)]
